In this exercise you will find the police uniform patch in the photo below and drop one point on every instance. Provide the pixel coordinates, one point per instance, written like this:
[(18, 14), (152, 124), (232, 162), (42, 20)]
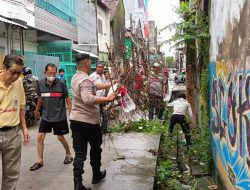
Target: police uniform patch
[(87, 83)]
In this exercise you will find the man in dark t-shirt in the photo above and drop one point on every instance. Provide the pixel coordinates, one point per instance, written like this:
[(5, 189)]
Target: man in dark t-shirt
[(52, 94)]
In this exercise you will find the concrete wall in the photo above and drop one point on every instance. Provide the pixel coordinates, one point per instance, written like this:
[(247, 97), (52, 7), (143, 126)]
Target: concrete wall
[(118, 25), (230, 91)]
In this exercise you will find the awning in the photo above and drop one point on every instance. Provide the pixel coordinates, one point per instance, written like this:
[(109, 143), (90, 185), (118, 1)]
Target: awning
[(12, 22), (86, 52)]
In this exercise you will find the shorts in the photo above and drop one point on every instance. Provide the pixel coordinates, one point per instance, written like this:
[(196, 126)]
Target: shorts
[(59, 128)]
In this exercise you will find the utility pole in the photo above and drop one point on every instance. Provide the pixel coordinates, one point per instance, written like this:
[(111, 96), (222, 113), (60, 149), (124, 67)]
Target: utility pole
[(21, 42), (131, 23)]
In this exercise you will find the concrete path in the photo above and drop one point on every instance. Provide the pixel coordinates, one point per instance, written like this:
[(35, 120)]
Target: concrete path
[(126, 157)]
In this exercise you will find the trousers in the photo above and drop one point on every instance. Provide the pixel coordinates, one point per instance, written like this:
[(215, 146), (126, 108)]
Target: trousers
[(82, 134), (10, 149), (155, 107), (180, 119), (104, 116)]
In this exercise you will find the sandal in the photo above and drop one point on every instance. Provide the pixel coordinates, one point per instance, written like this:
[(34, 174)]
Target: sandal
[(36, 166), (68, 160)]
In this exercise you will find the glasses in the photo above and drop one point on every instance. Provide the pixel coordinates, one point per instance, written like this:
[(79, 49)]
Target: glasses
[(14, 72), (100, 66)]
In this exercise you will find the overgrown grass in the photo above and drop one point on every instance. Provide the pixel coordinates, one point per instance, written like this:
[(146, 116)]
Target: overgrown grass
[(169, 177), (145, 126), (202, 143)]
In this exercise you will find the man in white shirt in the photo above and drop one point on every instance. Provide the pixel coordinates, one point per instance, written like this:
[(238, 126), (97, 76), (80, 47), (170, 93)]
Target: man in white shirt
[(181, 107), (98, 78)]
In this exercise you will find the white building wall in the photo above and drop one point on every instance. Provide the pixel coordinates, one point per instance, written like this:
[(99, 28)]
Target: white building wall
[(138, 14), (86, 25), (104, 38), (18, 9)]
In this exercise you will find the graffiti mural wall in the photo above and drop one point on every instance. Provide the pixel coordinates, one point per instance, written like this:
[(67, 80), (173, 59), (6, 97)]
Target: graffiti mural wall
[(230, 91)]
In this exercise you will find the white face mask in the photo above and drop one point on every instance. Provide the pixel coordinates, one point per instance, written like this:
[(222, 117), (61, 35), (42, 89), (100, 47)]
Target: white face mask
[(51, 79)]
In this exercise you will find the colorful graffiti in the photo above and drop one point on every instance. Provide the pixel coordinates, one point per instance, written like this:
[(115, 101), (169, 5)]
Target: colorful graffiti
[(230, 124)]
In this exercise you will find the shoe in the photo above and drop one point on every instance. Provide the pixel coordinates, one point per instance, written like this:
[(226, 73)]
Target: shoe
[(187, 170), (68, 160), (99, 177), (79, 186), (36, 166)]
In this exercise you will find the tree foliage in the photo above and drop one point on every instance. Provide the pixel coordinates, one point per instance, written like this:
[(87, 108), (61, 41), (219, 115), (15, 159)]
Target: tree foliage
[(192, 25), (170, 61), (192, 31)]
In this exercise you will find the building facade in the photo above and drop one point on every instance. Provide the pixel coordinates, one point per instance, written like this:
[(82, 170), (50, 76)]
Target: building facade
[(57, 18), (117, 23), (136, 16), (86, 26), (56, 25), (152, 37), (154, 54), (104, 35), (20, 11), (15, 17), (53, 29)]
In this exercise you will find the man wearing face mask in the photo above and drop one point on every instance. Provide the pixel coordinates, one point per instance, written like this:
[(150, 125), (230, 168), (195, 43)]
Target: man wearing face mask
[(52, 94)]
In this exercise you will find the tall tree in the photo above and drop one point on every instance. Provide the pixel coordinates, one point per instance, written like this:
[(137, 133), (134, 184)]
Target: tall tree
[(192, 33)]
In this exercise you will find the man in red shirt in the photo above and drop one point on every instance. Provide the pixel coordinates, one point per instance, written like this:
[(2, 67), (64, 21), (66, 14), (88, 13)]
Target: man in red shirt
[(157, 91)]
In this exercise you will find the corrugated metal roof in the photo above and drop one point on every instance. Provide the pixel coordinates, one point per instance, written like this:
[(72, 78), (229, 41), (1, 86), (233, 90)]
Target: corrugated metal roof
[(86, 52), (12, 22)]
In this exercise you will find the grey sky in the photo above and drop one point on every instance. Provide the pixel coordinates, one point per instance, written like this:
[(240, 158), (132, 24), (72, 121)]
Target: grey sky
[(162, 12)]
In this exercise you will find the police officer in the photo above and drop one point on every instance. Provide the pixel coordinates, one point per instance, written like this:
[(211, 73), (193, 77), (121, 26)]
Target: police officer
[(85, 121)]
